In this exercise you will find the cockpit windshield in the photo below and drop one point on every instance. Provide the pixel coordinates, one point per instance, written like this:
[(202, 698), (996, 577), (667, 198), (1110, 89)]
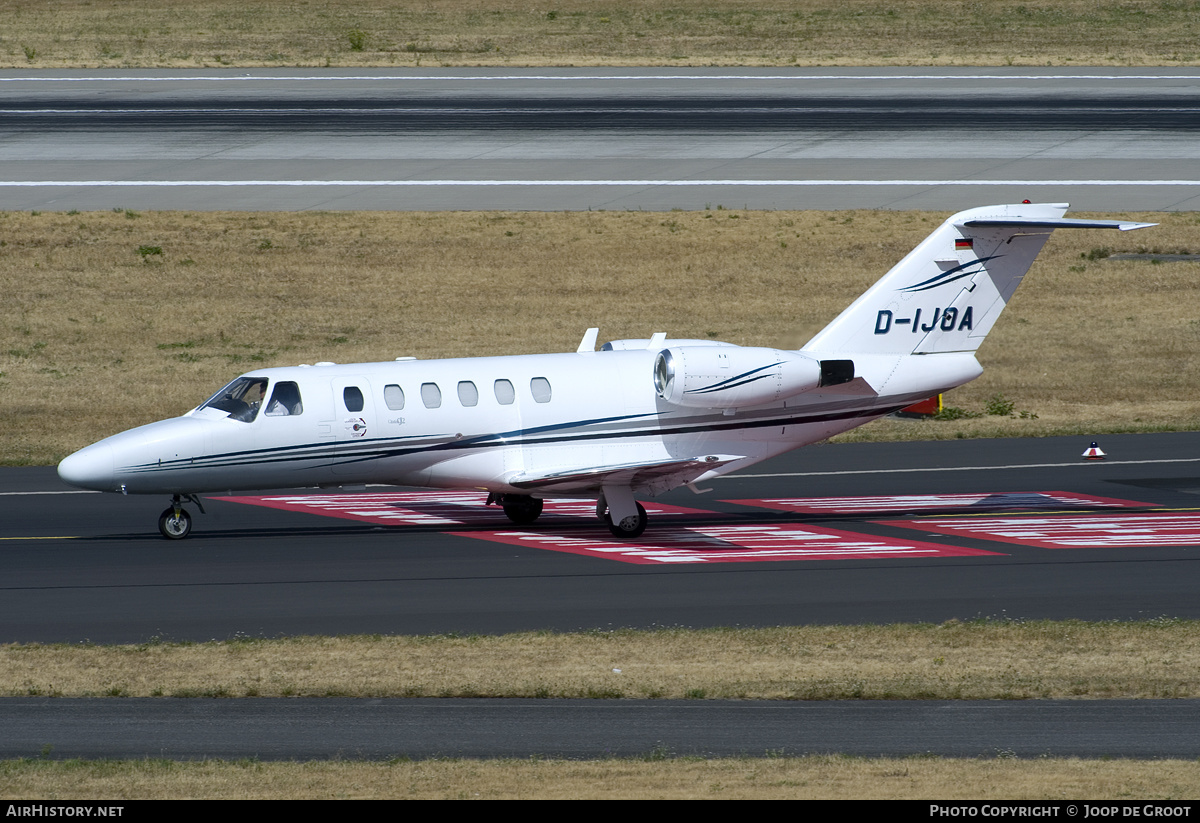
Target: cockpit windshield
[(241, 399)]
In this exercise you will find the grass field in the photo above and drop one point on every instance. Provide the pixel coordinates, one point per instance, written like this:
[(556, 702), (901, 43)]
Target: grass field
[(976, 660), (336, 33), (114, 319), (657, 775)]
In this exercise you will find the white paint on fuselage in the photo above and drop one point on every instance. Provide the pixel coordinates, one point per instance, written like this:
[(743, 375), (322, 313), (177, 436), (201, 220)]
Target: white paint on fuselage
[(602, 412)]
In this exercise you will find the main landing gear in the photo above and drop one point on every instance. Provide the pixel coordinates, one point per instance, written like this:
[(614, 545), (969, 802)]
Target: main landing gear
[(175, 523), (524, 509), (521, 509), (628, 527), (626, 518)]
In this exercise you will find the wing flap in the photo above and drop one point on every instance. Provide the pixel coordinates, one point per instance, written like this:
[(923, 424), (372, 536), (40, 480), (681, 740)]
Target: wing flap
[(664, 473)]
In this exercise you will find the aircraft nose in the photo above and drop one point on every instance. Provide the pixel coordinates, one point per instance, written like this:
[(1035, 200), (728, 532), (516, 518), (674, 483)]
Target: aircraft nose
[(90, 468)]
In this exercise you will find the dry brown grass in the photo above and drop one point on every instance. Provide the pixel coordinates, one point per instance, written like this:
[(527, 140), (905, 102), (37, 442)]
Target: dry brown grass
[(839, 778), (102, 333), (953, 660), (183, 33), (985, 660)]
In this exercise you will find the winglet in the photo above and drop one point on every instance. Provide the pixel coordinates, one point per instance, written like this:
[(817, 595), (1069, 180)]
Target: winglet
[(588, 343)]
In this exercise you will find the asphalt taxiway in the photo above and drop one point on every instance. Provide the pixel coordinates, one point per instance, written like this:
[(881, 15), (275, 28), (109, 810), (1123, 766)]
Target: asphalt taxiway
[(92, 567), (325, 728), (1112, 539)]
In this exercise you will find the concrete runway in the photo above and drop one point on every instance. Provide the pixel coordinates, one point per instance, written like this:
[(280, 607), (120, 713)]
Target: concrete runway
[(944, 139)]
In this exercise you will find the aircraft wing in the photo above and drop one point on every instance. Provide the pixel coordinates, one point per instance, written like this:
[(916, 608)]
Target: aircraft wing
[(659, 475)]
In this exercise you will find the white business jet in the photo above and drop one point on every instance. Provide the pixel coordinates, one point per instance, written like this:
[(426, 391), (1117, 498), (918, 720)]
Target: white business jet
[(636, 418)]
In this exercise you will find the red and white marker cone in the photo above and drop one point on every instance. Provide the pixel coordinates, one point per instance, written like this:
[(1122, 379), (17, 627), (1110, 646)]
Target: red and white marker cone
[(1093, 452)]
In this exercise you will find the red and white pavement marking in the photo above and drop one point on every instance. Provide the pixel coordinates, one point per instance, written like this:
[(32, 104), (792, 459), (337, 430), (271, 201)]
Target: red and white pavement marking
[(918, 502), (1072, 532), (729, 544), (662, 544), (450, 508)]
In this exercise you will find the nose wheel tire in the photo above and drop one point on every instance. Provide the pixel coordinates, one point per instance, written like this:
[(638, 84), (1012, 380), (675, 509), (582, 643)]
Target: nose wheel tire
[(630, 527), (175, 524)]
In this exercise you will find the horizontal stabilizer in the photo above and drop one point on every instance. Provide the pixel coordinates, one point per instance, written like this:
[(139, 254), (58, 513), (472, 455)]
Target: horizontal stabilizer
[(1061, 223)]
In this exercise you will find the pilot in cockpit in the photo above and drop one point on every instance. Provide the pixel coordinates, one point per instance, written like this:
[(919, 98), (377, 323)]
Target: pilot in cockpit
[(285, 400)]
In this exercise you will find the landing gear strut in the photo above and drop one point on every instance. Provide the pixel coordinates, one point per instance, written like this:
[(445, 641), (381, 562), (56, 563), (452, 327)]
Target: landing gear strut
[(175, 523)]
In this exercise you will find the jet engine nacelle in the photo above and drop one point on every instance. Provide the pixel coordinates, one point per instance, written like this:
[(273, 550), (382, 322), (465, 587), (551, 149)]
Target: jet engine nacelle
[(728, 377)]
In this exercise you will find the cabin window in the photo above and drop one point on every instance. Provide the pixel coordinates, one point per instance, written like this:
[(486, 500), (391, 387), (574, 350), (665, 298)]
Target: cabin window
[(431, 395), (241, 399), (285, 400), (352, 396), (540, 387), (393, 395), (468, 395), (505, 393)]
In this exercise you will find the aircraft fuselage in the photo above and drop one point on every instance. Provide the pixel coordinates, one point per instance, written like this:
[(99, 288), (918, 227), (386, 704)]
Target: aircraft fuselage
[(488, 423)]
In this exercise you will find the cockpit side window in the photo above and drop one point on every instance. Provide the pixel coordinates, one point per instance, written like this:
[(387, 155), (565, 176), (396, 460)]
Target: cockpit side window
[(285, 400), (241, 399)]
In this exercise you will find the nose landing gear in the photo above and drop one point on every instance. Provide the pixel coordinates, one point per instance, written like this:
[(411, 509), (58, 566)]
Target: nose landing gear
[(175, 523)]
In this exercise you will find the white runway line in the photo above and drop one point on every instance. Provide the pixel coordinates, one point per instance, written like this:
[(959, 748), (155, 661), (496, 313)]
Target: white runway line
[(77, 491), (1075, 463)]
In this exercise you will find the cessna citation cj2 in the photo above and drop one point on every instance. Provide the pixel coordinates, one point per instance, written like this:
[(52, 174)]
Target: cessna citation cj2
[(636, 418)]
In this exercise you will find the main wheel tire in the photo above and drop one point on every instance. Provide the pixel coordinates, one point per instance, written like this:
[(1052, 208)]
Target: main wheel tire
[(172, 526), (522, 509), (629, 527)]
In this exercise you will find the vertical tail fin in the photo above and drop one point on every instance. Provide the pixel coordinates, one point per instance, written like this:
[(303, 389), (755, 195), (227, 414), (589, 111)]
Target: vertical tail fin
[(947, 293)]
